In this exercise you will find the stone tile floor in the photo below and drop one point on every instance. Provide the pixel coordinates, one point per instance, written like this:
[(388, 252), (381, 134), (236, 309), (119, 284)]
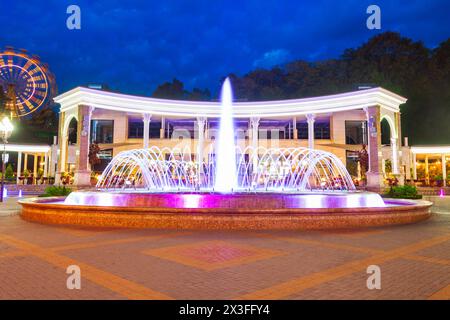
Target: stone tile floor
[(158, 264)]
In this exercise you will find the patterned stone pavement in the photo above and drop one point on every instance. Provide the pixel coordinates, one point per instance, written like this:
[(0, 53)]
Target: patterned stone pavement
[(158, 264)]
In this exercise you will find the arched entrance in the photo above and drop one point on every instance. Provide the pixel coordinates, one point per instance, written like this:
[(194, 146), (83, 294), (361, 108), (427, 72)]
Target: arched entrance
[(68, 136), (72, 131), (389, 135)]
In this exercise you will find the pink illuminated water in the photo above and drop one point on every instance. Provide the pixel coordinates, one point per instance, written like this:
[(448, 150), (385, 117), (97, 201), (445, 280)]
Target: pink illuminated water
[(256, 201)]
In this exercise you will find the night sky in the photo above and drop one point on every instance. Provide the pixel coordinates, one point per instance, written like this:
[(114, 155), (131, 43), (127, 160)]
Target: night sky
[(135, 45)]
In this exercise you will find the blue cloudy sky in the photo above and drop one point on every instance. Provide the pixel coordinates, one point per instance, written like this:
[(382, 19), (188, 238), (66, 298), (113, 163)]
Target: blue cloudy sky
[(135, 45)]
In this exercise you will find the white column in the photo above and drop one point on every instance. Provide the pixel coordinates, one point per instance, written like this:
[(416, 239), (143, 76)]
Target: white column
[(35, 158), (444, 171), (46, 165), (163, 126), (367, 133), (294, 128), (310, 118), (146, 118), (255, 125), (19, 166), (25, 165), (414, 166), (394, 148), (64, 150), (201, 121)]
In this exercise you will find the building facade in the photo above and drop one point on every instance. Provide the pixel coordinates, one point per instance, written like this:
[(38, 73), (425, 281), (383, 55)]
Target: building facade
[(340, 124)]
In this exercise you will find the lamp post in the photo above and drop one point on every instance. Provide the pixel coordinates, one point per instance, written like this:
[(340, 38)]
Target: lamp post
[(6, 128)]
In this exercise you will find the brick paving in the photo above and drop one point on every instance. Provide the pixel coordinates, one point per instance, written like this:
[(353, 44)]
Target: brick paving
[(159, 264)]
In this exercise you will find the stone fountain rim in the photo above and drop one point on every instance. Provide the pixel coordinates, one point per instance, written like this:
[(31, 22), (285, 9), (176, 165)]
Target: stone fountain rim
[(39, 210), (400, 205)]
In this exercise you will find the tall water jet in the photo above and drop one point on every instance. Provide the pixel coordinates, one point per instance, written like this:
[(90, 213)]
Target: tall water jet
[(226, 175)]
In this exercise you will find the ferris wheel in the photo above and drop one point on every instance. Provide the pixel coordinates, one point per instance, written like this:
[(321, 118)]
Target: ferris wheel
[(26, 82)]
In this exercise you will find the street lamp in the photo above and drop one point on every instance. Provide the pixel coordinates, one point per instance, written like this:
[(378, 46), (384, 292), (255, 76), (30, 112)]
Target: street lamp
[(6, 128)]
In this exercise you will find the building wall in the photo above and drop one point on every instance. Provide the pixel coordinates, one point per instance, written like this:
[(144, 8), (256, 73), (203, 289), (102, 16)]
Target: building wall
[(339, 118)]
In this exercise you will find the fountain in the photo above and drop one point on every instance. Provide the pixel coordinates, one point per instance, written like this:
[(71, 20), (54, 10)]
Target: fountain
[(286, 188), (226, 178)]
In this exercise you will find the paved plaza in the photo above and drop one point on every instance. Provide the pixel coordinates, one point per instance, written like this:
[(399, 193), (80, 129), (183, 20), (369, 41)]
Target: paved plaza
[(161, 264)]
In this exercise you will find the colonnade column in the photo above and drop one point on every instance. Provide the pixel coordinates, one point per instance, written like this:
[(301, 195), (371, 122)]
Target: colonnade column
[(146, 118), (60, 150), (294, 128), (201, 122), (83, 172), (163, 126), (444, 171), (19, 166), (46, 165), (64, 153), (374, 177), (427, 177), (414, 166), (35, 163), (25, 164), (394, 147), (310, 118), (255, 125)]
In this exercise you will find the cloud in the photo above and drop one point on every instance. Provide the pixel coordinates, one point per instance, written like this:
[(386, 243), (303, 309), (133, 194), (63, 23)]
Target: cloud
[(272, 58), (134, 46)]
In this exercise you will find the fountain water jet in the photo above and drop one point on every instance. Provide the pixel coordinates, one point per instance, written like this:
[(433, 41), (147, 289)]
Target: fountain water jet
[(226, 177)]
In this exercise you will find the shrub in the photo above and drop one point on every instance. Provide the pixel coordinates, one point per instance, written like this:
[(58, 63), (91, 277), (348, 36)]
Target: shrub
[(56, 191), (9, 172), (404, 192)]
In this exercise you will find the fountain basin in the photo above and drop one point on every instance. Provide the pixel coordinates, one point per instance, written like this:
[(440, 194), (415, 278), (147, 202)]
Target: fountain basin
[(237, 211)]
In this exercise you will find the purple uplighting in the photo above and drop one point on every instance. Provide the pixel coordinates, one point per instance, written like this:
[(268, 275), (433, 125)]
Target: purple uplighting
[(261, 201)]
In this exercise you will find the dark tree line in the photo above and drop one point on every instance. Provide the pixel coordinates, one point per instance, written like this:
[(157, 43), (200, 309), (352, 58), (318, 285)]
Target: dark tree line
[(176, 90), (388, 60)]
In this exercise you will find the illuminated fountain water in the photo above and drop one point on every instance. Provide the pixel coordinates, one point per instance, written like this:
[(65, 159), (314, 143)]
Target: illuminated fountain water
[(226, 177), (286, 188), (278, 170), (226, 169)]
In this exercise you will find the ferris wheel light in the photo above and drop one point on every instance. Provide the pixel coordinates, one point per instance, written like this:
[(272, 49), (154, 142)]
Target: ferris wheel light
[(26, 81)]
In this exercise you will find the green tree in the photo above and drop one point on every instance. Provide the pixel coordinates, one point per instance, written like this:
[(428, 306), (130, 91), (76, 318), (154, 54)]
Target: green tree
[(9, 172), (199, 95), (44, 118), (171, 90)]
